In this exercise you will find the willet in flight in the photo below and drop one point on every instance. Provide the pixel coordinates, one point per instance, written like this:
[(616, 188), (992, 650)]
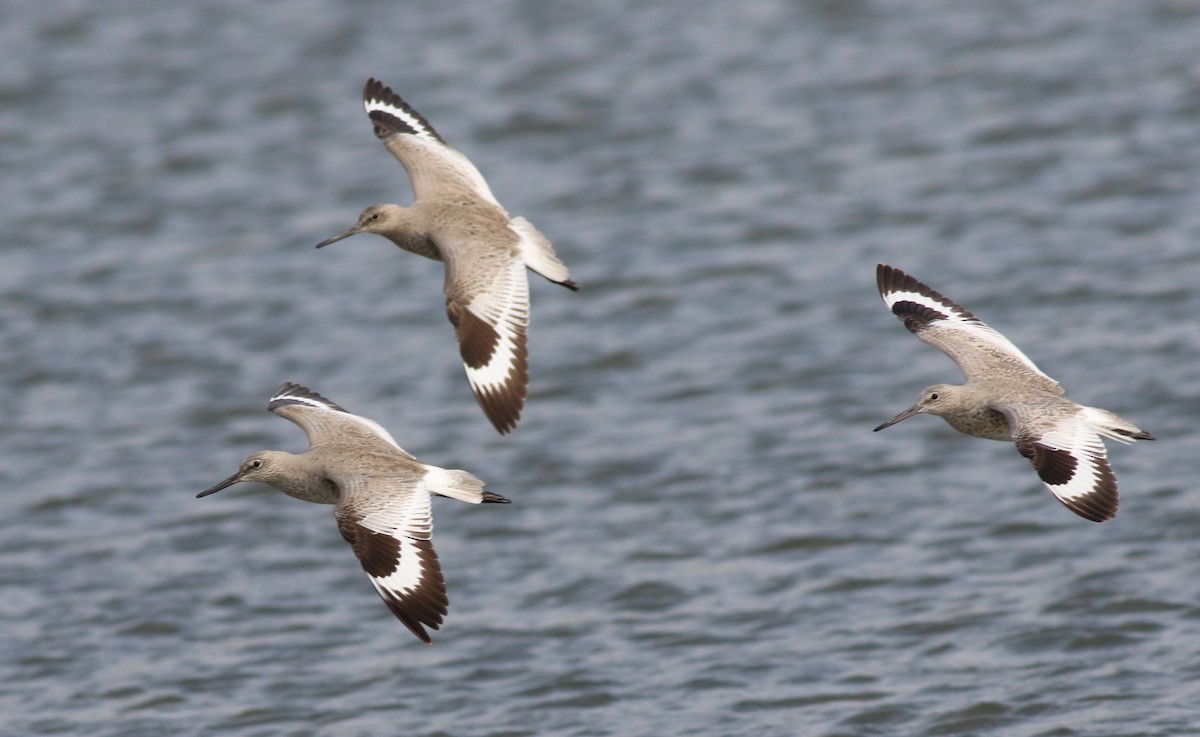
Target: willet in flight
[(455, 218), (382, 495), (1007, 397)]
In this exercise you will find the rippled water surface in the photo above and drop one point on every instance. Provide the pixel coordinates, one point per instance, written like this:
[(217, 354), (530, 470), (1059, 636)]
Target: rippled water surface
[(707, 538)]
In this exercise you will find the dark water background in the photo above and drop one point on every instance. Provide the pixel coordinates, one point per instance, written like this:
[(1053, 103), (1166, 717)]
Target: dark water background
[(707, 537)]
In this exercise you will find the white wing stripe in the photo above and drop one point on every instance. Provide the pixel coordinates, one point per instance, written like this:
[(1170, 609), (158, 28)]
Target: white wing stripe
[(422, 130), (958, 320), (1086, 447), (495, 374), (428, 140), (508, 313), (404, 580)]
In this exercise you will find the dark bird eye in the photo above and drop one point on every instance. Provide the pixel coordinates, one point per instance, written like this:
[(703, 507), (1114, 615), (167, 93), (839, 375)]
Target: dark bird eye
[(256, 463), (933, 396), (374, 216)]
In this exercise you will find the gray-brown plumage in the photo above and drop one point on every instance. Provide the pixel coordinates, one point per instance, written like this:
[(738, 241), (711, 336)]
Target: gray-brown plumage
[(455, 218), (1007, 397), (382, 498)]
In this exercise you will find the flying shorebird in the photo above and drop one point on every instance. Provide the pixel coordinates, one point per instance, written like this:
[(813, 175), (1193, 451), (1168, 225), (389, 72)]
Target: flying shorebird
[(382, 495), (1007, 397), (455, 218)]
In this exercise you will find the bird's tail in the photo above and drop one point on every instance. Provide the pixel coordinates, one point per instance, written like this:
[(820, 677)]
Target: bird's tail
[(460, 485), (539, 255), (1110, 426)]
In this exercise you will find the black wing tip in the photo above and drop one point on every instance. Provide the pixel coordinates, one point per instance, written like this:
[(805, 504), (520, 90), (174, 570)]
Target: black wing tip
[(505, 423), (291, 391), (569, 284), (423, 610), (290, 388), (386, 125), (1094, 507), (376, 90), (418, 630), (491, 497), (417, 614), (379, 92), (891, 279), (886, 278), (503, 405), (503, 409)]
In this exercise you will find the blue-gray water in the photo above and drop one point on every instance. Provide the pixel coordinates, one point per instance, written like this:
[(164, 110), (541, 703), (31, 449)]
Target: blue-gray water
[(707, 538)]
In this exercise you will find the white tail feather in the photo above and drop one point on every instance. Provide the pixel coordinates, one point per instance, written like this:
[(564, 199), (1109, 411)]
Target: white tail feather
[(537, 252), (1110, 426), (455, 484)]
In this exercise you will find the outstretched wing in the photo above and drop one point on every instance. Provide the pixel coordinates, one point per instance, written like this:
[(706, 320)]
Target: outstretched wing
[(979, 350), (1069, 457), (323, 420), (487, 301), (435, 168), (388, 523)]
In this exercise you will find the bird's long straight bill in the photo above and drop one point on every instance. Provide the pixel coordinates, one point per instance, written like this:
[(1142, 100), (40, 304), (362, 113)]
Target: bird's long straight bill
[(340, 236), (223, 485), (913, 410)]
